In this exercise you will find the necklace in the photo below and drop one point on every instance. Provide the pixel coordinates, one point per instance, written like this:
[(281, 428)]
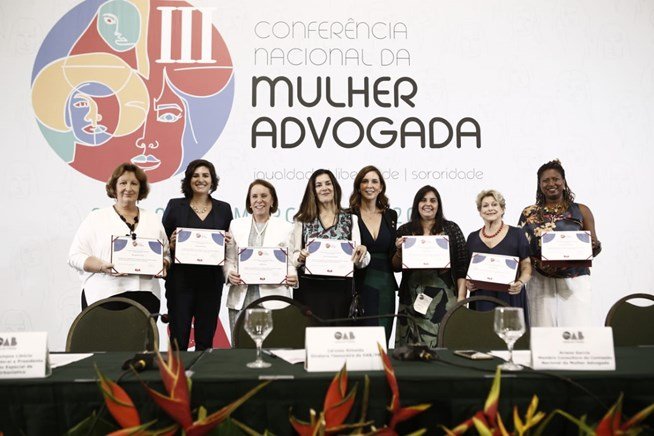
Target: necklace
[(483, 232), (130, 226), (260, 228), (557, 209), (200, 210)]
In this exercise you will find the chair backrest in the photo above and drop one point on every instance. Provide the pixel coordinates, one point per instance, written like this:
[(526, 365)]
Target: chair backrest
[(289, 325), (632, 325), (463, 328), (113, 324)]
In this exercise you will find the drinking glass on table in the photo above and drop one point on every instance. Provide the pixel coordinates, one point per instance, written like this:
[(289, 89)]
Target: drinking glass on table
[(510, 326), (258, 324)]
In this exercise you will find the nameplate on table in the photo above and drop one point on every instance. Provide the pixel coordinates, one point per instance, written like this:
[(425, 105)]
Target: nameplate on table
[(494, 272), (24, 355), (572, 348), (328, 348), (142, 256), (263, 265), (422, 252), (329, 257), (200, 247), (567, 248)]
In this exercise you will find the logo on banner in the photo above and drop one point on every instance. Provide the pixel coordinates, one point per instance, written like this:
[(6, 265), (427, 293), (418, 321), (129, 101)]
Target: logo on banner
[(149, 82)]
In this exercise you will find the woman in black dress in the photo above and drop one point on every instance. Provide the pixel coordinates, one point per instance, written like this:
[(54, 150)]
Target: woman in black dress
[(194, 291), (495, 237), (378, 224)]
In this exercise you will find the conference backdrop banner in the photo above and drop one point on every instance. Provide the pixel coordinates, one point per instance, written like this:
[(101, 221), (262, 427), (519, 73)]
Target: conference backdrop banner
[(463, 96)]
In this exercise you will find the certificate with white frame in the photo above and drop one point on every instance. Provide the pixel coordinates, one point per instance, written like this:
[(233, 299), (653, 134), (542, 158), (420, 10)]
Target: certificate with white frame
[(200, 246), (329, 257), (567, 248), (494, 272), (263, 265), (142, 256), (421, 252)]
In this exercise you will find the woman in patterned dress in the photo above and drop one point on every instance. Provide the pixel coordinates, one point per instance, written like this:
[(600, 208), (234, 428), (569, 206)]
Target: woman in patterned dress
[(559, 296), (442, 286)]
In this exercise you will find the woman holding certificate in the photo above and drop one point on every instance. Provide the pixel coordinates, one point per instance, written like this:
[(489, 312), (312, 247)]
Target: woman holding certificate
[(194, 290), (496, 238), (427, 293), (91, 250), (559, 296), (259, 230), (320, 222), (377, 224)]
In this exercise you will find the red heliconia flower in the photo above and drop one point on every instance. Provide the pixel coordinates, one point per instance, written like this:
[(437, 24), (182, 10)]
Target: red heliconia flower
[(336, 408), (119, 404), (399, 414), (177, 404)]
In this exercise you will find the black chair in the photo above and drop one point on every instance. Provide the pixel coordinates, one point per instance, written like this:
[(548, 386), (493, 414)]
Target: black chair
[(632, 325), (113, 324), (289, 325), (463, 328)]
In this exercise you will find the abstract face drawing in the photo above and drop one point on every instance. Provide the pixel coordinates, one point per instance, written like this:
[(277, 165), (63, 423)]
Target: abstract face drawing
[(119, 24)]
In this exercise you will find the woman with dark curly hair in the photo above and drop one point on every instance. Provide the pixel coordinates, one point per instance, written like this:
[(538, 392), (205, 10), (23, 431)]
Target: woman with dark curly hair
[(444, 286), (558, 296), (90, 252), (194, 291)]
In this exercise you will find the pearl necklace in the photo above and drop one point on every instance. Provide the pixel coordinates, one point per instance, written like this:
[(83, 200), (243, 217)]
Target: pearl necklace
[(483, 232)]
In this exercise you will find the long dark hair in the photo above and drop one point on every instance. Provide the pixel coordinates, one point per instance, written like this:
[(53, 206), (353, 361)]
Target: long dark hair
[(355, 197), (568, 195), (416, 227), (309, 206)]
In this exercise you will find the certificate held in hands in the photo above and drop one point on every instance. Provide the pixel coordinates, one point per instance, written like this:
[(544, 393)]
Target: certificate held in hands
[(426, 252), (329, 257), (567, 249), (263, 266), (200, 247), (137, 256), (493, 272)]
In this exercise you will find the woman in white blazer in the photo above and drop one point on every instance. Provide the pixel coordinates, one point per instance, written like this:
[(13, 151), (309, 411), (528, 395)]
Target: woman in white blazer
[(259, 230)]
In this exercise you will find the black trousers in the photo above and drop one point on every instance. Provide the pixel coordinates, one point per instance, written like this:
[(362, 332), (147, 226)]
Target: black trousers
[(188, 303), (327, 298)]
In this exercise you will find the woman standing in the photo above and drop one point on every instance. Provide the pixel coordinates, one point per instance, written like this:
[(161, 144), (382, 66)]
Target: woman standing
[(497, 238), (377, 224), (321, 216), (558, 296), (90, 252), (259, 230), (194, 291), (443, 286)]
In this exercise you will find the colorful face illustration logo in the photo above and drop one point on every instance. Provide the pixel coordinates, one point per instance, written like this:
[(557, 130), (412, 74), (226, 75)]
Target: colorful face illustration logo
[(132, 81), (119, 24)]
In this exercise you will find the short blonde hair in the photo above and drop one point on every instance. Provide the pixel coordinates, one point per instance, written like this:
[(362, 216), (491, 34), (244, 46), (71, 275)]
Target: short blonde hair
[(497, 196)]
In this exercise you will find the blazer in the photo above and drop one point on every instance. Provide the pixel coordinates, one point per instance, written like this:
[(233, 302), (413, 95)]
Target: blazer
[(277, 235)]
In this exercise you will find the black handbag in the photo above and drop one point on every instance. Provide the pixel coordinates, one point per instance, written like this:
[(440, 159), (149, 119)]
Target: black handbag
[(356, 306)]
